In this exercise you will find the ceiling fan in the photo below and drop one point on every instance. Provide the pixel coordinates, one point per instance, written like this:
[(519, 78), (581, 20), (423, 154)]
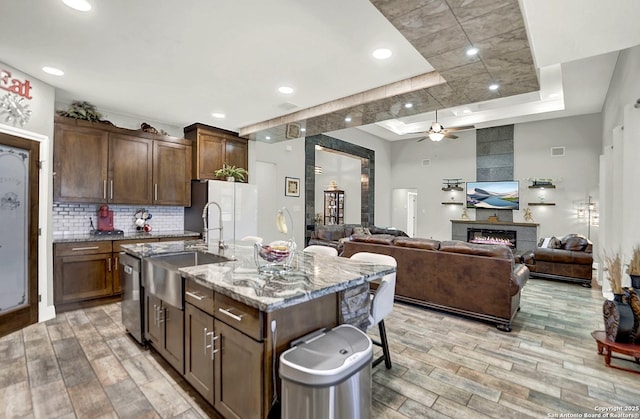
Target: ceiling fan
[(437, 132)]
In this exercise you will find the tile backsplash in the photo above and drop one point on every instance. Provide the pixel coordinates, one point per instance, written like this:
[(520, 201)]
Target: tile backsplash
[(74, 218)]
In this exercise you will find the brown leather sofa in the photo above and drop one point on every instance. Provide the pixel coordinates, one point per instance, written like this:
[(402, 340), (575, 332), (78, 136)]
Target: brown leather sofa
[(567, 259), (478, 281), (335, 235)]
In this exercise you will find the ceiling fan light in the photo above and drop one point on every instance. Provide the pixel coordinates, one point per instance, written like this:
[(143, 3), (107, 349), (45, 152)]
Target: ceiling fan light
[(436, 136)]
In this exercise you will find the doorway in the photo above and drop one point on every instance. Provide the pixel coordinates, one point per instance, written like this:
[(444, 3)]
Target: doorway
[(404, 210), (19, 186), (412, 199)]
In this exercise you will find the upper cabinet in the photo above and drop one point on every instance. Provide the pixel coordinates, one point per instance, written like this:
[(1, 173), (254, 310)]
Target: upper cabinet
[(95, 163), (213, 148)]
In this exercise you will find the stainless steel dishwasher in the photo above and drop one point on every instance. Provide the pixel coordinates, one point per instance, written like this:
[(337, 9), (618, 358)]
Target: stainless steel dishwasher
[(132, 296)]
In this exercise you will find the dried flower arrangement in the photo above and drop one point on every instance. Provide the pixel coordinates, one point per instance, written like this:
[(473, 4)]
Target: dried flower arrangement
[(634, 263), (613, 265)]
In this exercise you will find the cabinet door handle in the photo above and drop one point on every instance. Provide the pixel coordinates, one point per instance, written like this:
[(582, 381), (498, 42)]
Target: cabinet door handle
[(230, 314), (104, 189), (162, 318), (109, 265), (155, 315), (75, 249), (194, 295), (211, 335), (115, 263), (213, 345), (111, 190), (155, 191)]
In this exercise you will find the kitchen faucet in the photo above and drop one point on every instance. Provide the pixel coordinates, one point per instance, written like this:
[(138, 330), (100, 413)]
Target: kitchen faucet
[(205, 232)]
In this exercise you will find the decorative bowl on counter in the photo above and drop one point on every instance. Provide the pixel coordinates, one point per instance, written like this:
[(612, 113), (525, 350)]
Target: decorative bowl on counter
[(274, 256)]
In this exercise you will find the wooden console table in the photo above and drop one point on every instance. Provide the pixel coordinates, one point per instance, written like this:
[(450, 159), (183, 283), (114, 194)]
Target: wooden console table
[(608, 347)]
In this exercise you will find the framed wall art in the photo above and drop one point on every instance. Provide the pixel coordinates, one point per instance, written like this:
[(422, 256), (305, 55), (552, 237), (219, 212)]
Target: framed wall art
[(291, 186)]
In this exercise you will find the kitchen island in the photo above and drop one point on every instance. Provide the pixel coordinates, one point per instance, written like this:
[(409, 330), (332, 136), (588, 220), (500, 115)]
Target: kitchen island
[(236, 321)]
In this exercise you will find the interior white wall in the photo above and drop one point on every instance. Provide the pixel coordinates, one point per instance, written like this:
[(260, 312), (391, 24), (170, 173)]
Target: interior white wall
[(289, 161), (448, 159), (382, 148), (620, 170), (575, 174), (399, 208), (130, 121), (345, 171)]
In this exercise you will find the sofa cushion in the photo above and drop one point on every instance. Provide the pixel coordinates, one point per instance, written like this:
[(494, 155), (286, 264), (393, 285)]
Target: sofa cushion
[(391, 231), (373, 238), (417, 243), (574, 242), (456, 246)]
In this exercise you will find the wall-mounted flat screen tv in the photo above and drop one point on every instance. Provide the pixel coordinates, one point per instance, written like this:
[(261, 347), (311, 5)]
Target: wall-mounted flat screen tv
[(493, 195)]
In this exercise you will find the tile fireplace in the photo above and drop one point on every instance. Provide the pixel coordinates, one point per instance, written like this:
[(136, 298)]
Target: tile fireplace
[(525, 235)]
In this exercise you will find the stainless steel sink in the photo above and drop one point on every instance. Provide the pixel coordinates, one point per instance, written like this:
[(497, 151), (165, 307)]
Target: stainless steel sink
[(162, 278)]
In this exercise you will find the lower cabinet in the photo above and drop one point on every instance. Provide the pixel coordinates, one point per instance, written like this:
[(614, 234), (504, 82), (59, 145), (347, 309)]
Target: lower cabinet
[(238, 373), (83, 272), (165, 330), (198, 351)]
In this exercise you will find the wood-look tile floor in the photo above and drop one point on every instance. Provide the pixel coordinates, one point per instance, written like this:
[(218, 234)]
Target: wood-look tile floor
[(82, 364)]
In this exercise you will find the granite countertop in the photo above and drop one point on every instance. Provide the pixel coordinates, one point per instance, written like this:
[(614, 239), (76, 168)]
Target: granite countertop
[(312, 276), (87, 237)]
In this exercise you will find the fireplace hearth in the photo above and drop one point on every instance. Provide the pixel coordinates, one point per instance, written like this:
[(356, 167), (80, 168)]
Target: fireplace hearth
[(485, 236)]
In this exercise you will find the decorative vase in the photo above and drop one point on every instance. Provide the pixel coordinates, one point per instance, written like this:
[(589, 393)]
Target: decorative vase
[(618, 319), (231, 179), (635, 282)]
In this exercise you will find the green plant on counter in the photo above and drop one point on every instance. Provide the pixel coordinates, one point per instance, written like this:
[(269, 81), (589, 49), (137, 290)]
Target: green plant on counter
[(228, 171)]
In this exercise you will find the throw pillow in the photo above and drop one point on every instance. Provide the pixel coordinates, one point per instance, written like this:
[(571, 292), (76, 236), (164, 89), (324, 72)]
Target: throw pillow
[(367, 231), (358, 230), (555, 243)]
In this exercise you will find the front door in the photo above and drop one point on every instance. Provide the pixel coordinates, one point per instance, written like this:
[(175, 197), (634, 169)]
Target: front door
[(19, 159)]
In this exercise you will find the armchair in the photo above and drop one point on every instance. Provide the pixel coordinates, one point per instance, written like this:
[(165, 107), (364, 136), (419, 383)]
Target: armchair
[(568, 259)]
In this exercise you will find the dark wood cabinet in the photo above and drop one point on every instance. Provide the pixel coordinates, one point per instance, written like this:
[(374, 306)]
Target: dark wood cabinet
[(81, 164), (130, 170), (170, 164), (238, 373), (98, 163), (333, 207), (164, 329), (198, 351), (213, 147), (83, 272)]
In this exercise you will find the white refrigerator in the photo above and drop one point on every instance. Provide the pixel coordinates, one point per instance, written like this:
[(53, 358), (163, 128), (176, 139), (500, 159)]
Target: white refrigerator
[(239, 203)]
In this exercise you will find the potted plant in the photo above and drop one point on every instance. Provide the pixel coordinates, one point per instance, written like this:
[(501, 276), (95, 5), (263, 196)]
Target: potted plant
[(634, 267), (231, 173)]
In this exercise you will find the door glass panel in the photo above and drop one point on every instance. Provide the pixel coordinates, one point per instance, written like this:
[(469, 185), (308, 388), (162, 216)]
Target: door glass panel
[(14, 251)]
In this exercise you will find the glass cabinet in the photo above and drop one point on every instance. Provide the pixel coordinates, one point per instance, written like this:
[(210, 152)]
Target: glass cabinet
[(333, 207)]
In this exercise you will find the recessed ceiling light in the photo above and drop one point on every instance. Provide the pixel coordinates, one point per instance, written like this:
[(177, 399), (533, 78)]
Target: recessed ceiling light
[(267, 138), (53, 71), (303, 129), (79, 5), (408, 105), (218, 115), (472, 51), (466, 111), (347, 119), (285, 90), (382, 53), (494, 86)]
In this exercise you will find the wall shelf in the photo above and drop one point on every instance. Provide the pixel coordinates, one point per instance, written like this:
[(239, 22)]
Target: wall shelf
[(452, 203), (542, 186), (541, 203)]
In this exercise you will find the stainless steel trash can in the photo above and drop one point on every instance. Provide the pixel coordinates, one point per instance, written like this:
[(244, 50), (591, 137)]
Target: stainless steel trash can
[(328, 376)]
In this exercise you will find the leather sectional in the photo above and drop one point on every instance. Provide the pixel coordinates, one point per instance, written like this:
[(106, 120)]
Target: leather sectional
[(478, 281), (568, 259)]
